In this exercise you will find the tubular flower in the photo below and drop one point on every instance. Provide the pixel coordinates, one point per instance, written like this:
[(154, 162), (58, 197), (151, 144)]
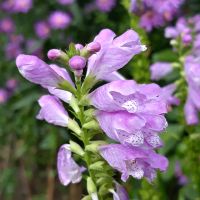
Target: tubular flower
[(134, 162), (68, 170), (114, 52)]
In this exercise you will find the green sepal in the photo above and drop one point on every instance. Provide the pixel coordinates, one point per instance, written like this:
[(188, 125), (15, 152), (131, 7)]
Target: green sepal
[(76, 148), (94, 146), (88, 83), (73, 125), (86, 198), (65, 85), (74, 104), (97, 166), (104, 180), (93, 124), (104, 189), (91, 187)]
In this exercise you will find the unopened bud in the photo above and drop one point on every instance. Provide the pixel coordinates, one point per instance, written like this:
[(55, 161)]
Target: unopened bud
[(76, 148), (54, 54), (93, 47), (91, 187), (78, 46), (77, 62)]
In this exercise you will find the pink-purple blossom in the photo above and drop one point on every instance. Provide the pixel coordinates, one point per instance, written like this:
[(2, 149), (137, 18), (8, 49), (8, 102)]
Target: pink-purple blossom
[(105, 5), (42, 29), (160, 70), (52, 111), (115, 53), (68, 169), (7, 25), (133, 161), (152, 17), (59, 20)]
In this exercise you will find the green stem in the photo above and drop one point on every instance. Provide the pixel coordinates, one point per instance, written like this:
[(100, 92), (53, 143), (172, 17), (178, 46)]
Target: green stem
[(84, 137)]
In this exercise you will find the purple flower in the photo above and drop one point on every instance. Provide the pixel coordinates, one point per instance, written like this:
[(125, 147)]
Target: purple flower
[(42, 29), (68, 170), (105, 5), (52, 111), (37, 71), (59, 20), (115, 52), (160, 70), (120, 193), (167, 92), (4, 96), (191, 112), (129, 96), (21, 5), (114, 76), (151, 19), (130, 129), (7, 25), (65, 2), (133, 161), (192, 73)]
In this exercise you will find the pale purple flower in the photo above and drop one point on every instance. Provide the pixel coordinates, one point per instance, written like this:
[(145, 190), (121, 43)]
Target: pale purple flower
[(42, 29), (4, 96), (7, 25), (167, 93), (68, 169), (22, 6), (52, 111), (38, 72), (65, 2), (160, 70), (105, 5), (192, 72), (120, 193), (151, 19), (59, 20), (171, 32), (132, 161), (133, 130), (115, 52), (114, 76), (191, 112), (129, 96)]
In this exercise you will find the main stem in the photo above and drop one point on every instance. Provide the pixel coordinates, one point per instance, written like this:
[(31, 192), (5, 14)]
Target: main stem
[(84, 137)]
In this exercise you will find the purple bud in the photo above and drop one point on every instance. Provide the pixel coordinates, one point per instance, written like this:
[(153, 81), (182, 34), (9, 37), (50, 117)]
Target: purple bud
[(93, 47), (78, 46), (54, 54), (77, 62), (187, 38)]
